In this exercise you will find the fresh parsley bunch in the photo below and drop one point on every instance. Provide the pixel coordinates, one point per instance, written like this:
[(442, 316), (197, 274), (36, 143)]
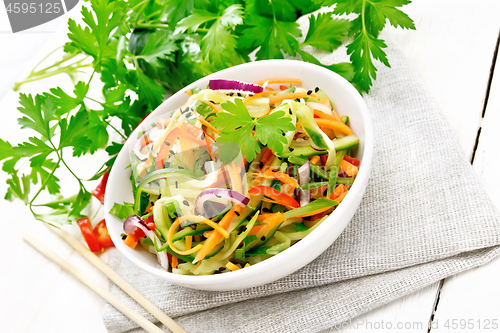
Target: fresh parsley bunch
[(139, 49)]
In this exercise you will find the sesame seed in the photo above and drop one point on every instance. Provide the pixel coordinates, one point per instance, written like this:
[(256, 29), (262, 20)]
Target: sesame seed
[(291, 149), (167, 143), (316, 89), (185, 202), (202, 136), (309, 92), (237, 214), (176, 184), (171, 152), (263, 238)]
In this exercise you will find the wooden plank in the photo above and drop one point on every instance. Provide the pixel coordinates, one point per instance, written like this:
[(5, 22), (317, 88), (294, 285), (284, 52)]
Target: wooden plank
[(452, 50), (454, 64), (410, 314), (471, 298)]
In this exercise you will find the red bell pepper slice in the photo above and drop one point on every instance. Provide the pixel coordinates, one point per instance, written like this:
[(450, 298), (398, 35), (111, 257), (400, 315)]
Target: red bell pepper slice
[(102, 235), (88, 234), (353, 160), (279, 197), (101, 188)]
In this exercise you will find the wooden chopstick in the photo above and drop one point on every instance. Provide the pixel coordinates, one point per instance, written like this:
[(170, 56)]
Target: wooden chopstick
[(118, 280), (125, 309)]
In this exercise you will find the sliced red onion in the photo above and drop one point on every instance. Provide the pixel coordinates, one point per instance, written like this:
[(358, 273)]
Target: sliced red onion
[(305, 178), (232, 85), (219, 193), (133, 222)]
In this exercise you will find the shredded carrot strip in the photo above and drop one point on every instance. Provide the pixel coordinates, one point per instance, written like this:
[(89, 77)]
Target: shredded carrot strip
[(279, 80), (195, 267), (283, 177), (215, 107), (189, 242), (189, 92), (269, 222), (255, 229), (264, 216), (317, 193), (315, 212), (315, 159), (268, 153), (232, 266), (334, 124), (339, 190), (280, 98), (247, 265), (349, 169), (235, 177), (173, 227), (257, 95), (131, 240), (175, 262), (199, 219), (214, 237), (208, 125), (341, 197), (270, 89), (321, 114), (257, 180)]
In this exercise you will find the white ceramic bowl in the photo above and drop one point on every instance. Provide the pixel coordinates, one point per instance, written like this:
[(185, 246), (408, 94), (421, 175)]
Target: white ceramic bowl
[(347, 101)]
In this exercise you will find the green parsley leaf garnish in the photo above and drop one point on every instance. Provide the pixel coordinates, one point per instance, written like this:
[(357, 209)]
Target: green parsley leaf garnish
[(139, 50), (237, 127)]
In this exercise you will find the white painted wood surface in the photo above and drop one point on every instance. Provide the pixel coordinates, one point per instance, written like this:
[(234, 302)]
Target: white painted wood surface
[(452, 50)]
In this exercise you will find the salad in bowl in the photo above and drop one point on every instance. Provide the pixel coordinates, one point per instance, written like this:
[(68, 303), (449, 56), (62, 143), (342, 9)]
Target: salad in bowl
[(238, 174)]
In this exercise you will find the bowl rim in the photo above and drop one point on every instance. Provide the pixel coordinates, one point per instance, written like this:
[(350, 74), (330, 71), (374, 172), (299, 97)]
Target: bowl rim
[(357, 189)]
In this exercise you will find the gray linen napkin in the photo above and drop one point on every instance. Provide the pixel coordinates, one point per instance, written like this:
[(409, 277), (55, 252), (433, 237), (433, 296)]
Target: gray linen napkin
[(424, 217)]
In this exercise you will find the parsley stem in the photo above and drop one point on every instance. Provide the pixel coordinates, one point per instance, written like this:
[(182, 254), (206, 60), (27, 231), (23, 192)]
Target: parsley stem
[(57, 63), (44, 183), (139, 12), (363, 15), (116, 130), (45, 58), (151, 25), (49, 74), (69, 169)]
